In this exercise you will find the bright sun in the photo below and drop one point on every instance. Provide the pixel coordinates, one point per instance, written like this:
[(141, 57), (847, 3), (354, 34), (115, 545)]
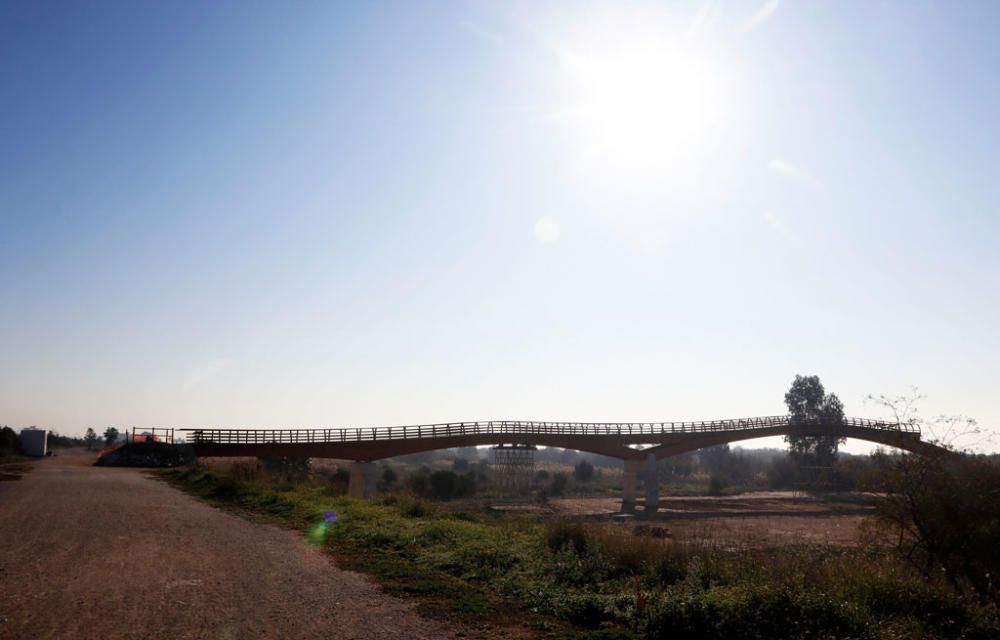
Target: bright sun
[(643, 105)]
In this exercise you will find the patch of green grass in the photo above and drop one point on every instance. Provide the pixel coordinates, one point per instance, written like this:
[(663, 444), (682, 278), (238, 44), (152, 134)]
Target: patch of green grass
[(600, 579)]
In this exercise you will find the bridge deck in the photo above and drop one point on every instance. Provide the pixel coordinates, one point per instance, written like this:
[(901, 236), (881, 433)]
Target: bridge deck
[(515, 427)]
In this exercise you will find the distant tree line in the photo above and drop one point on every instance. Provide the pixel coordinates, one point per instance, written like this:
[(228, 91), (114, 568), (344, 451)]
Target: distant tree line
[(10, 440)]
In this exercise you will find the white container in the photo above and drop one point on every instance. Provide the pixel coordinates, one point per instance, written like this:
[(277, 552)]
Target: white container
[(34, 442)]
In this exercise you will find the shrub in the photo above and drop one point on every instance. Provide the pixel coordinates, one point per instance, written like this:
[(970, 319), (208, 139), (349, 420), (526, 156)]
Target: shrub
[(225, 489), (559, 482), (419, 484), (753, 612), (467, 485), (444, 484), (584, 609), (716, 485), (564, 533), (9, 440), (944, 513), (664, 561), (286, 466), (583, 471), (245, 471), (414, 508)]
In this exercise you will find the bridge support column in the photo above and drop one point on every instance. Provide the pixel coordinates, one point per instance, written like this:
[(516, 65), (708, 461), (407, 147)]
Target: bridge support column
[(631, 473), (651, 475), (362, 482)]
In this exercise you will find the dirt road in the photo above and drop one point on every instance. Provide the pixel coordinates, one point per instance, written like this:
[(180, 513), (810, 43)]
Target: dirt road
[(91, 553)]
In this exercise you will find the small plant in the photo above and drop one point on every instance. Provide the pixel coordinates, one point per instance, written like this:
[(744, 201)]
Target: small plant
[(563, 534)]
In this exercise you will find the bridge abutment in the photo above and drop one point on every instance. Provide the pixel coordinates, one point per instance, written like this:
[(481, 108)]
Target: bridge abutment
[(362, 481)]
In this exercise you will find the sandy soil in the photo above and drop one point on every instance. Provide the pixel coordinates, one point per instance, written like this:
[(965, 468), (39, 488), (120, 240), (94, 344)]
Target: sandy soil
[(89, 552)]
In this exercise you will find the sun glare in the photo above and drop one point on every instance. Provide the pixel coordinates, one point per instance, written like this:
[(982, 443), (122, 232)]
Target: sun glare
[(643, 105)]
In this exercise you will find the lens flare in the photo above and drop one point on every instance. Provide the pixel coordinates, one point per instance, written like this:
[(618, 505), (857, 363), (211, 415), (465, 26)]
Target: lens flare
[(319, 533)]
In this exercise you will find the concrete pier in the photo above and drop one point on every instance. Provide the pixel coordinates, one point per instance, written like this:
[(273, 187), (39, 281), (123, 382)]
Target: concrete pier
[(629, 478), (362, 482), (651, 476)]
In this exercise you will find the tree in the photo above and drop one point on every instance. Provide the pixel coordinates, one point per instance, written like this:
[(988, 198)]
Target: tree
[(584, 471), (715, 460), (443, 484), (943, 513), (559, 481), (9, 440), (110, 436), (942, 508), (90, 439), (715, 485), (808, 403)]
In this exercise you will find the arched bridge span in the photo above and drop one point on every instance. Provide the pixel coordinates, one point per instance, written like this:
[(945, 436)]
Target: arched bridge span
[(662, 439), (638, 444)]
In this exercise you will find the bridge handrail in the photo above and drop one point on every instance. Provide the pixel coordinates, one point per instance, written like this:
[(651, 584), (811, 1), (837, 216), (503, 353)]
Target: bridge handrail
[(513, 428)]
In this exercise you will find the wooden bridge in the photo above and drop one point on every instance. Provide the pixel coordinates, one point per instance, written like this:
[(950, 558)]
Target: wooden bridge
[(636, 443)]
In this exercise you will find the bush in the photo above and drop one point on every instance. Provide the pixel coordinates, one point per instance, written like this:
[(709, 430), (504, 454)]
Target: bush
[(583, 609), (9, 440), (632, 555), (415, 509), (246, 471), (559, 482), (420, 484), (444, 485), (564, 533), (285, 465), (716, 485), (753, 612), (944, 514), (583, 472)]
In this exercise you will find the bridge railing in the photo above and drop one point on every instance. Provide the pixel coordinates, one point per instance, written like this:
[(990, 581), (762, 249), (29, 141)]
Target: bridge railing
[(513, 428)]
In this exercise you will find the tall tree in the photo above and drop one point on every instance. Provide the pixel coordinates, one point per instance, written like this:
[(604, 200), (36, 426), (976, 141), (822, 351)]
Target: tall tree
[(584, 471), (808, 403), (110, 436), (90, 439)]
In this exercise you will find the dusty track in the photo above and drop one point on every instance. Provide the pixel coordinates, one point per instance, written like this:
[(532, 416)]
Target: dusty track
[(89, 553)]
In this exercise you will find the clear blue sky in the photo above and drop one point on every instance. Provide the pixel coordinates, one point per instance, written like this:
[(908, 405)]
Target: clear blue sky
[(304, 214)]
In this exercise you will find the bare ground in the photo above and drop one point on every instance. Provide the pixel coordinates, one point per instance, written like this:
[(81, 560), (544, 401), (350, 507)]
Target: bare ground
[(760, 519), (89, 552)]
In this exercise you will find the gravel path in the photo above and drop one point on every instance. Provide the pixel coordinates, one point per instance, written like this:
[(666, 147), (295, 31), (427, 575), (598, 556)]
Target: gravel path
[(90, 552)]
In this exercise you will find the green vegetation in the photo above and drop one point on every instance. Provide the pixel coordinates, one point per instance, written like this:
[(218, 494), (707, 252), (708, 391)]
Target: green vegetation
[(601, 578), (91, 439), (944, 515), (110, 436), (10, 446), (807, 402)]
